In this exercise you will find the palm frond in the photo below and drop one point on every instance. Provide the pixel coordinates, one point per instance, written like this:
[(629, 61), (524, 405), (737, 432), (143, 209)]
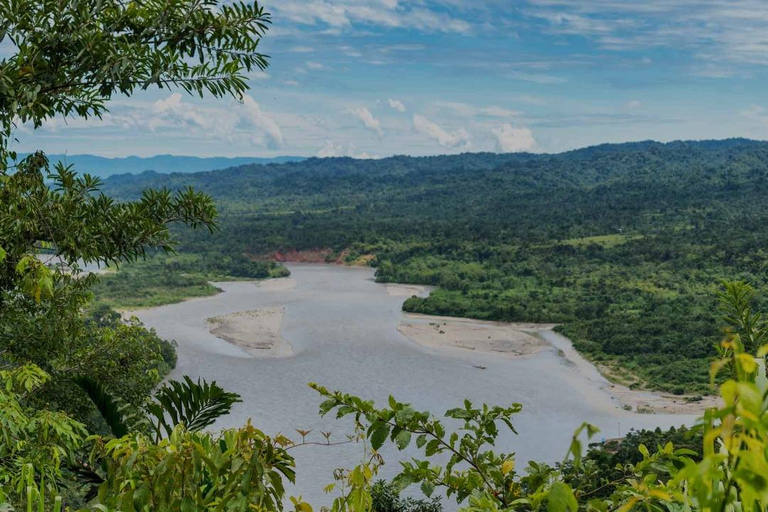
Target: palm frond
[(109, 407), (195, 405)]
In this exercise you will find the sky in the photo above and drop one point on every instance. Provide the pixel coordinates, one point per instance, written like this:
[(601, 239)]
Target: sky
[(373, 78)]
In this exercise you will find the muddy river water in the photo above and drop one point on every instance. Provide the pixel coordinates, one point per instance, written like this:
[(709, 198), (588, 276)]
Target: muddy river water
[(343, 330)]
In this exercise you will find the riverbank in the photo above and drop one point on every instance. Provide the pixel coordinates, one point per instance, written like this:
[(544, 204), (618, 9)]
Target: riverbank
[(342, 327), (507, 339), (516, 340)]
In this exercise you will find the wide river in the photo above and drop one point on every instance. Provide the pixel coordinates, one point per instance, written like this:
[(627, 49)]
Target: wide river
[(343, 329)]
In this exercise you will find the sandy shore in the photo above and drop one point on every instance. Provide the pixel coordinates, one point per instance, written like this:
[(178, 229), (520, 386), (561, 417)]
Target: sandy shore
[(405, 290), (660, 403), (514, 340), (257, 331), (526, 339)]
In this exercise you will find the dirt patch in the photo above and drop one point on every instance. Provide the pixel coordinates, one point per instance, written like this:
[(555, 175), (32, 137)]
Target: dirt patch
[(257, 331)]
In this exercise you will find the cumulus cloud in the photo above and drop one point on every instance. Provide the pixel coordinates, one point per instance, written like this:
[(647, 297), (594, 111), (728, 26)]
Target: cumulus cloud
[(369, 121), (173, 112), (454, 139), (330, 149), (173, 116), (397, 105), (510, 139), (634, 104), (267, 131)]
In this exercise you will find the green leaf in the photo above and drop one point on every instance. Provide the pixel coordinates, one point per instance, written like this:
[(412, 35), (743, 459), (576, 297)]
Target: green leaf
[(403, 439), (379, 435), (327, 405), (196, 405), (561, 498), (107, 405), (432, 447)]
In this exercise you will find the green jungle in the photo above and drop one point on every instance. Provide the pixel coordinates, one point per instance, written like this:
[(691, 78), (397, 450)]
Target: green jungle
[(648, 256), (622, 245)]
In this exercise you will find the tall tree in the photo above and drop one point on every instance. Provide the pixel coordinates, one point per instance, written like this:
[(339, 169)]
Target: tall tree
[(69, 59)]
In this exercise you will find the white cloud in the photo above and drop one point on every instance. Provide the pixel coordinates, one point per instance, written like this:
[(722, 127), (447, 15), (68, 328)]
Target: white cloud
[(173, 112), (172, 116), (386, 13), (634, 104), (397, 105), (756, 113), (369, 121), (330, 149), (537, 78), (495, 111), (455, 139), (260, 75), (268, 132), (299, 49), (510, 139), (723, 31), (467, 110), (314, 65)]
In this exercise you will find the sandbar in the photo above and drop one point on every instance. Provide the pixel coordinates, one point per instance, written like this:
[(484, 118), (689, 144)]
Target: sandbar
[(513, 340), (256, 332)]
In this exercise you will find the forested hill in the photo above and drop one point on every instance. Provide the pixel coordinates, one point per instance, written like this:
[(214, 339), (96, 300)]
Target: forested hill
[(625, 244), (105, 166)]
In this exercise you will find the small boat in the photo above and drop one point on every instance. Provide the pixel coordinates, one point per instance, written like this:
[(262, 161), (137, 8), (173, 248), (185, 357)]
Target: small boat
[(479, 366)]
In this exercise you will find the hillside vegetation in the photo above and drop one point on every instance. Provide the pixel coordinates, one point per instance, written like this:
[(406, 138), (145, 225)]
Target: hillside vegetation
[(621, 244)]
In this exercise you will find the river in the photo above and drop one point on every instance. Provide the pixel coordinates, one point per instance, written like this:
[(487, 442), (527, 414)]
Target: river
[(343, 329)]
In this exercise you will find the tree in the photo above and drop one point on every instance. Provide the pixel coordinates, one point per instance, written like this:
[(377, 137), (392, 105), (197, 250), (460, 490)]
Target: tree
[(70, 59)]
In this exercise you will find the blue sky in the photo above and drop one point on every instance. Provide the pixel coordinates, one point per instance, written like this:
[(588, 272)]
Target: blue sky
[(372, 78)]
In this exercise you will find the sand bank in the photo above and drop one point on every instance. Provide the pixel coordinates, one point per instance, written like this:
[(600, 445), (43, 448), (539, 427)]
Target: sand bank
[(405, 290), (526, 339), (660, 403), (515, 340), (257, 331)]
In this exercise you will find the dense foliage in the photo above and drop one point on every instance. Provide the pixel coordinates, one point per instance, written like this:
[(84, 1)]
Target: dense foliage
[(157, 454), (73, 379), (622, 244), (163, 279), (70, 58)]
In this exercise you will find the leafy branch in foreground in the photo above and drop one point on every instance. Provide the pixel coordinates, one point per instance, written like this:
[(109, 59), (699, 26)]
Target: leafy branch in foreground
[(194, 405)]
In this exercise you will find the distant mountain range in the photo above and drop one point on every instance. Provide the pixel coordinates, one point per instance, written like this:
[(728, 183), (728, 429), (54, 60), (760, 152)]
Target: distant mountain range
[(164, 164)]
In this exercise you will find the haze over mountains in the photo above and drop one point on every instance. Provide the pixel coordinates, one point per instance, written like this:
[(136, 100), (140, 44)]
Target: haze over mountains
[(164, 164)]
